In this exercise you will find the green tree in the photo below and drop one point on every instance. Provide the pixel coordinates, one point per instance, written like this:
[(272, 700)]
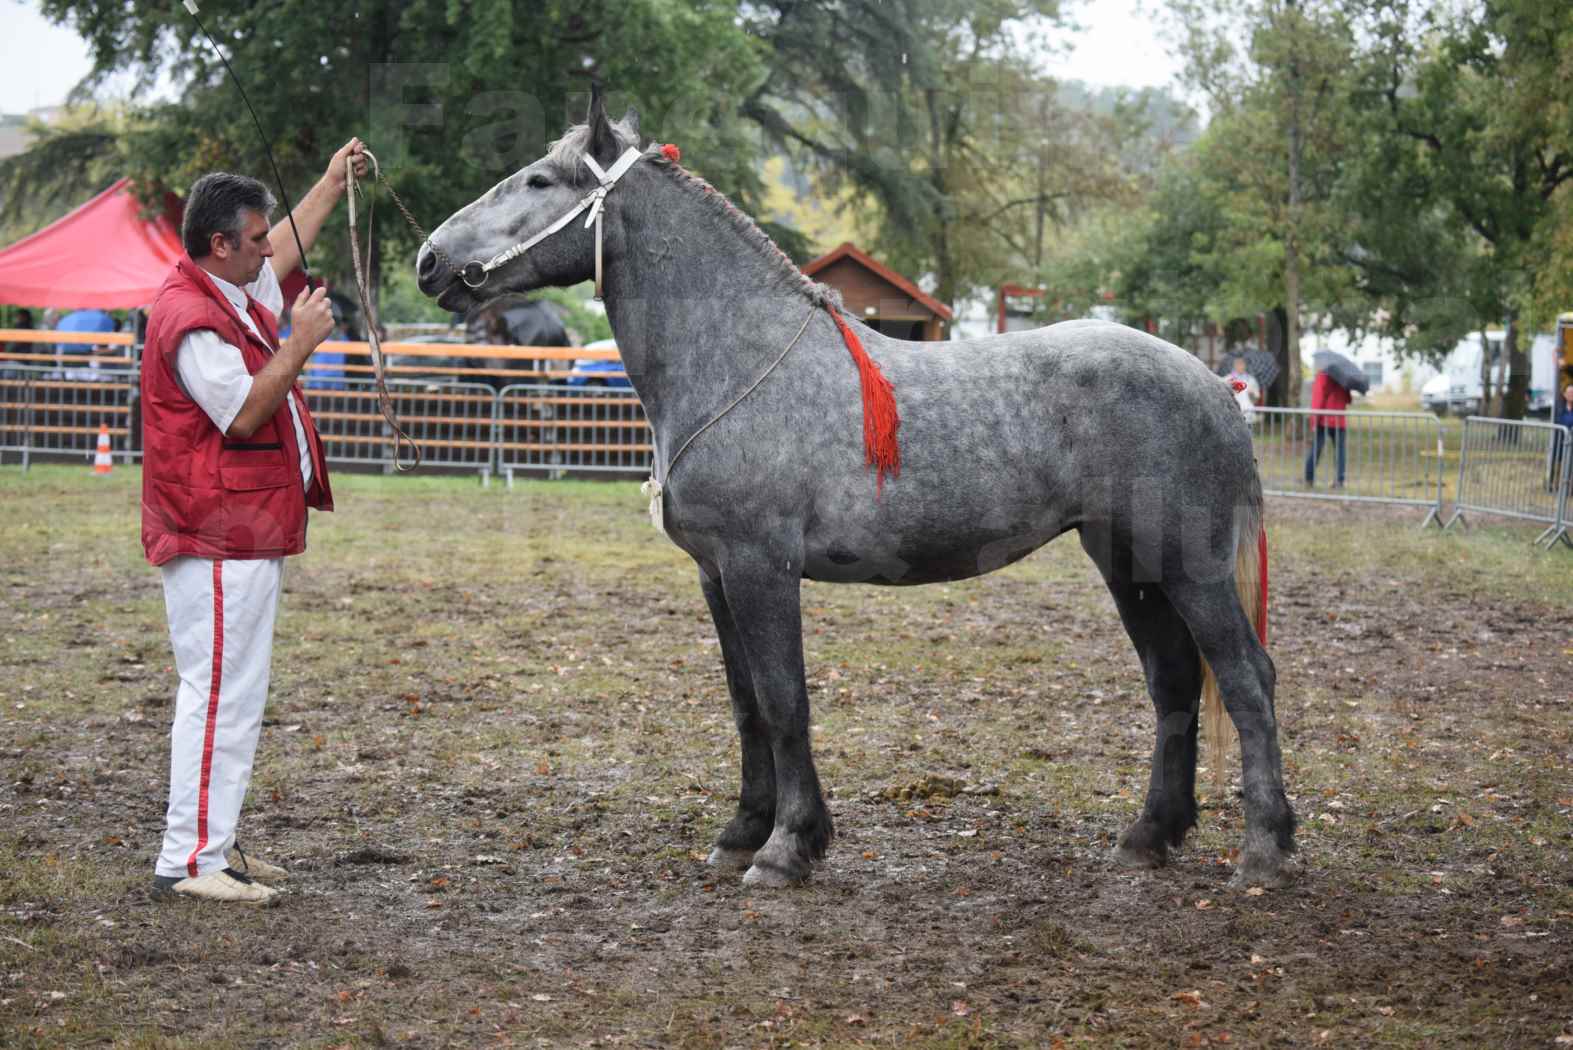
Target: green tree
[(931, 111), (1472, 111), (451, 96), (67, 161), (1273, 152)]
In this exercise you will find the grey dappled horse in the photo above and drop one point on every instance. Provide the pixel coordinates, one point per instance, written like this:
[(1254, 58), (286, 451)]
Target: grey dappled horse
[(1005, 442)]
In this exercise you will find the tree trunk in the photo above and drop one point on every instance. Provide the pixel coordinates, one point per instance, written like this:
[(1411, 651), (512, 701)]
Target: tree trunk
[(1487, 386), (1291, 360), (944, 269), (1279, 393), (1291, 241), (1515, 394), (944, 265)]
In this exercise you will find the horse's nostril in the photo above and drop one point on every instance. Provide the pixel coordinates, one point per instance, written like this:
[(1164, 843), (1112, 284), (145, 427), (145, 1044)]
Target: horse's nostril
[(428, 263)]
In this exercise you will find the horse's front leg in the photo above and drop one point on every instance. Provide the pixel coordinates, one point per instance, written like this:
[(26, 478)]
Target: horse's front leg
[(756, 804), (762, 592)]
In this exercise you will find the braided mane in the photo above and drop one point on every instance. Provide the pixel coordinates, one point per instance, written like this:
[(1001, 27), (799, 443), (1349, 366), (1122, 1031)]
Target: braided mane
[(568, 153)]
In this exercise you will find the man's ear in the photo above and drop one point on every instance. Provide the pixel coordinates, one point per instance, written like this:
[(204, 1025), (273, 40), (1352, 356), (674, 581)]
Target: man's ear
[(604, 146), (218, 246)]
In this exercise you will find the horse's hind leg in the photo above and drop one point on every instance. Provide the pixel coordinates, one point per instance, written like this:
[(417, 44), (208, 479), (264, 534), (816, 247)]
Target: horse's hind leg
[(756, 804), (1174, 681), (1246, 680)]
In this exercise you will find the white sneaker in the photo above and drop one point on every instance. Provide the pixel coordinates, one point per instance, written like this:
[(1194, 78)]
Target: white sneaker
[(253, 867), (227, 885)]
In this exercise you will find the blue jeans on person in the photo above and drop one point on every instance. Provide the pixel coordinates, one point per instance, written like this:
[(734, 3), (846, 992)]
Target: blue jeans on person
[(1316, 453)]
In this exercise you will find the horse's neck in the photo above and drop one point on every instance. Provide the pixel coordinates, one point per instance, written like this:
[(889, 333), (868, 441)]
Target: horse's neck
[(699, 311)]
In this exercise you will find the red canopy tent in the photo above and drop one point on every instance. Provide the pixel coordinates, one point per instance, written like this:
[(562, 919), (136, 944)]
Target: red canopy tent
[(105, 254)]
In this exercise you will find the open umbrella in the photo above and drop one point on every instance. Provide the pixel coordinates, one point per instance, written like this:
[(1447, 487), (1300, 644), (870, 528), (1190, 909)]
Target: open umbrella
[(534, 324), (1343, 371), (1260, 363)]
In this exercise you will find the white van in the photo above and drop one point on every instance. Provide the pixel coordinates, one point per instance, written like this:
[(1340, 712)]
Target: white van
[(1457, 388)]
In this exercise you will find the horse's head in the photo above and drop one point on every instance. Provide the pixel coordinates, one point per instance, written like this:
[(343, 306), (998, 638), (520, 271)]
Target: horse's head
[(466, 260)]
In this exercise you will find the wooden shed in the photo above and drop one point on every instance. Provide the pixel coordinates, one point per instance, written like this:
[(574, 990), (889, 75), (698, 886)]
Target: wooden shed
[(879, 296)]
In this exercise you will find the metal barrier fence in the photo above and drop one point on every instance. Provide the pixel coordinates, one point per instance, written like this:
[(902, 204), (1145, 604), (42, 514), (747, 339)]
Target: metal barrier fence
[(453, 423), (50, 411), (54, 402), (549, 429), (1376, 457), (1517, 470), (555, 429)]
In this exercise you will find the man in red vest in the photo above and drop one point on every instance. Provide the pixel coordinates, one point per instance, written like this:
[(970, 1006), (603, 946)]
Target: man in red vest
[(231, 461)]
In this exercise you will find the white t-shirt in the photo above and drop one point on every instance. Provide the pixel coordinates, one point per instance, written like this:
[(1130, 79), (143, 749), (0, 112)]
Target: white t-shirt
[(213, 373)]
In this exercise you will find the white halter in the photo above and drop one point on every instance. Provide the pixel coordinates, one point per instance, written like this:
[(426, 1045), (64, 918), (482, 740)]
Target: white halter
[(475, 274)]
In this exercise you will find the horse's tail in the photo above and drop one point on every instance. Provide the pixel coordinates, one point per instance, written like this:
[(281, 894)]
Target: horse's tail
[(1250, 581)]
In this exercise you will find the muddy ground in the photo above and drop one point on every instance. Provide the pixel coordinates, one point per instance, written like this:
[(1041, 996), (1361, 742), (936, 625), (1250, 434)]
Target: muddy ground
[(499, 747)]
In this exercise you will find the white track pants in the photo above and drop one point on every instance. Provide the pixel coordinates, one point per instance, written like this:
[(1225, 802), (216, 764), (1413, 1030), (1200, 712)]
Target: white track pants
[(221, 617)]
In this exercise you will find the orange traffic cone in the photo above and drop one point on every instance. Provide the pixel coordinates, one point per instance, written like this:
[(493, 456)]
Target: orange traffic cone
[(103, 461)]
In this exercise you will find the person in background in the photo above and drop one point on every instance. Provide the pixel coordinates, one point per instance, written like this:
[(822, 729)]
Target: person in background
[(82, 321), (23, 319), (1247, 391), (1562, 416), (1329, 402)]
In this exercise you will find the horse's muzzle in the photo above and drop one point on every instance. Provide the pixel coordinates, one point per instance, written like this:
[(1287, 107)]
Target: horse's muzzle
[(432, 272)]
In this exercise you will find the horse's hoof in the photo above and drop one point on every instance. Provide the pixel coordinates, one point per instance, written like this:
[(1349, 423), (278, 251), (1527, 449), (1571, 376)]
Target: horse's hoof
[(730, 858), (771, 877), (781, 861), (1138, 856), (1266, 873)]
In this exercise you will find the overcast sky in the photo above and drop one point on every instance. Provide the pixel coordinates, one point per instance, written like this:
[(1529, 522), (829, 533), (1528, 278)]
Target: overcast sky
[(40, 62)]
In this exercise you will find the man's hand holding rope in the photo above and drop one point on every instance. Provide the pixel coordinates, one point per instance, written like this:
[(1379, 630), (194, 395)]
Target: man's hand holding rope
[(315, 207)]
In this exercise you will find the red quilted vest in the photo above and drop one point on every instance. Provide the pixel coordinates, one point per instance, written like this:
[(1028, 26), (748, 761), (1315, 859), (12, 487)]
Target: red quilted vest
[(204, 494)]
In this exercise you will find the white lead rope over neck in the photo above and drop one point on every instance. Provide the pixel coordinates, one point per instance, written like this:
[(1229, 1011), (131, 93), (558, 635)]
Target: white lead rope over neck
[(475, 274), (655, 488)]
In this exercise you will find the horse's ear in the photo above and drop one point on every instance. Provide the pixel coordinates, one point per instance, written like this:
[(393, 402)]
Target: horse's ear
[(603, 140), (631, 122)]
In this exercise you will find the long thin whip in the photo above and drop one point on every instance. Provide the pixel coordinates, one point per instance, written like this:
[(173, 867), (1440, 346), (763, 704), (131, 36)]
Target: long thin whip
[(289, 209)]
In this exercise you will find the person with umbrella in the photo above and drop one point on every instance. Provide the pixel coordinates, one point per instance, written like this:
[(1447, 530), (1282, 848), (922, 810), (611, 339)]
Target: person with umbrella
[(1248, 370), (1336, 375), (1247, 391)]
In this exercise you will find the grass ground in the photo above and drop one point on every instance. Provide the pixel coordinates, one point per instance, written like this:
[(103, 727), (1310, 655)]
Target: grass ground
[(499, 746)]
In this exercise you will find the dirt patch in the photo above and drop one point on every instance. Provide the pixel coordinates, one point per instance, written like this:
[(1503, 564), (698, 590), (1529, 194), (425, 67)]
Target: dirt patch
[(499, 747)]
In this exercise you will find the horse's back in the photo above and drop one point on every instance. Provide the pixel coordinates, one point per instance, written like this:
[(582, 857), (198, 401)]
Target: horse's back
[(1082, 398), (1009, 440)]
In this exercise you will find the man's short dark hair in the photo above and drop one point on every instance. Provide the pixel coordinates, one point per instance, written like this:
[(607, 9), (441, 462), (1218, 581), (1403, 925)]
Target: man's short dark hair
[(218, 203)]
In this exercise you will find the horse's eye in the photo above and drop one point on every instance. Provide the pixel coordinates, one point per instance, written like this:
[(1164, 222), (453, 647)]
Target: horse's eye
[(539, 182)]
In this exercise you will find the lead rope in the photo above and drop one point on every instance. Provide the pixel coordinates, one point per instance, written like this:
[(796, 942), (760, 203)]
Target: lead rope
[(373, 339), (654, 488)]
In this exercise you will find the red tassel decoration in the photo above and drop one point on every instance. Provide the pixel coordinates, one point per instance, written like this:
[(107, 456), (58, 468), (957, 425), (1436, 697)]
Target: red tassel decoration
[(672, 153), (880, 418)]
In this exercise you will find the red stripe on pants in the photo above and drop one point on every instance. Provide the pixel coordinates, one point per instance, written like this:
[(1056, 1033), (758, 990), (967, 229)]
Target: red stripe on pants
[(215, 680)]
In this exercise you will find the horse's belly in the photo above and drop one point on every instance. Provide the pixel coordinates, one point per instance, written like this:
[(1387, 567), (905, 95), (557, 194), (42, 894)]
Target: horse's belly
[(931, 557)]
